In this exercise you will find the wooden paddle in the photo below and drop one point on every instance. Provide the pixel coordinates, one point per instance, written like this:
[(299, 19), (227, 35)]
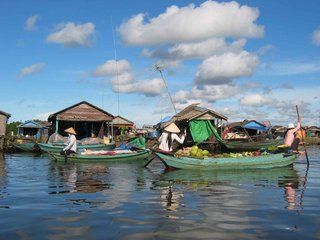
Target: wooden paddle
[(154, 156), (150, 160), (302, 138)]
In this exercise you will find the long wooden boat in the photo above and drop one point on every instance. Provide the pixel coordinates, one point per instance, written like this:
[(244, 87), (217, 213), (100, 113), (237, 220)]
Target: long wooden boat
[(245, 145), (277, 176), (25, 144), (58, 147), (112, 157), (211, 163)]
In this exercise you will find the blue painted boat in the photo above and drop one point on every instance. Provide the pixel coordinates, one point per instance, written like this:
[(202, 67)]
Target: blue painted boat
[(211, 163)]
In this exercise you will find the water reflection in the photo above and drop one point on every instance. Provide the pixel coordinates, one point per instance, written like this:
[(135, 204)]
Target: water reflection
[(74, 179), (126, 201), (293, 191), (116, 182), (210, 181), (3, 175)]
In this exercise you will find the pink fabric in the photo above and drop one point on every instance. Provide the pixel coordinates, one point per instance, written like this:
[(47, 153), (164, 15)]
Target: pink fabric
[(289, 138)]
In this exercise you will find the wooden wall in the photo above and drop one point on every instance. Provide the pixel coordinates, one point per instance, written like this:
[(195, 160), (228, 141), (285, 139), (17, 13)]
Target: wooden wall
[(3, 123), (83, 112)]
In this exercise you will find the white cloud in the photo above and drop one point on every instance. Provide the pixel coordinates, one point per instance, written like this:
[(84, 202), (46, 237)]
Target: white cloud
[(209, 93), (33, 69), (206, 48), (256, 100), (72, 35), (316, 37), (112, 68), (199, 50), (43, 116), (122, 79), (193, 24), (221, 69), (30, 24), (150, 88)]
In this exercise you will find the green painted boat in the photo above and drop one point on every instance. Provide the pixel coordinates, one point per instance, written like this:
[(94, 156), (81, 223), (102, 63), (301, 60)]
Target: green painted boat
[(25, 144), (210, 163), (134, 156), (278, 176), (58, 147), (245, 145)]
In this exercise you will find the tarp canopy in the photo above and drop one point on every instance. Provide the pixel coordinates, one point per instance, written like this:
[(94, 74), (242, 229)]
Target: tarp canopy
[(202, 129), (255, 125)]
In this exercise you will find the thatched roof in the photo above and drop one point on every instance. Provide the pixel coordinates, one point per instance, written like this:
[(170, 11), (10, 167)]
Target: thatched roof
[(194, 112)]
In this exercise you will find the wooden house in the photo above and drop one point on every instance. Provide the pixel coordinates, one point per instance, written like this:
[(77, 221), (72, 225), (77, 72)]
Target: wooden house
[(245, 130), (122, 125), (3, 124), (313, 131), (194, 113), (32, 129), (86, 119)]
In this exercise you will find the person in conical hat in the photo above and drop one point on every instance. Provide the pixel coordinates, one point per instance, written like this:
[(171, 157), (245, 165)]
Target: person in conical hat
[(168, 136), (71, 145), (172, 128), (70, 130), (290, 140)]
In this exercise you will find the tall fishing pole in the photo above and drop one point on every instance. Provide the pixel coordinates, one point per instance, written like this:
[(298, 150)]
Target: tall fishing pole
[(302, 137), (116, 63), (158, 68)]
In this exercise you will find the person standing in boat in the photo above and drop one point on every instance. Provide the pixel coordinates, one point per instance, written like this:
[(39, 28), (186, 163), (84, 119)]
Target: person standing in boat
[(168, 136), (290, 140), (71, 146)]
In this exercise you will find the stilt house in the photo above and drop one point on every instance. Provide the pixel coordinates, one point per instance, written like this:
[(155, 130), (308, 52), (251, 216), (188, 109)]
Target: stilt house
[(86, 119)]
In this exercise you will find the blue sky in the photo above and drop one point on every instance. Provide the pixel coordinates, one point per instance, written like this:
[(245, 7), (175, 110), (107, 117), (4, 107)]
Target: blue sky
[(243, 59)]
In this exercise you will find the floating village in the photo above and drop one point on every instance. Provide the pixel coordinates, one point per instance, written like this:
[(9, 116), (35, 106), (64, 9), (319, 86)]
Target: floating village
[(209, 141)]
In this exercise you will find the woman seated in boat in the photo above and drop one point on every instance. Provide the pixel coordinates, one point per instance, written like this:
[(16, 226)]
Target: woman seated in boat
[(168, 136), (139, 142), (290, 140), (71, 146)]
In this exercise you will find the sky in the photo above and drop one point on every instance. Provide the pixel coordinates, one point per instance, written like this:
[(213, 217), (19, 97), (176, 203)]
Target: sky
[(145, 60)]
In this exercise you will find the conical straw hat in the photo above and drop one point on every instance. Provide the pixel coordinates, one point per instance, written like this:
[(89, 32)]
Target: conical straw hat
[(70, 130), (172, 128)]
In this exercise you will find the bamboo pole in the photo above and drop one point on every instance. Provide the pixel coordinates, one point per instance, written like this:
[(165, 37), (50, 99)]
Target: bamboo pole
[(302, 138)]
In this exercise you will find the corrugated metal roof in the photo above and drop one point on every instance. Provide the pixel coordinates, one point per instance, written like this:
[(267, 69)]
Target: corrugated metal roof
[(31, 124), (194, 112), (118, 120), (82, 111)]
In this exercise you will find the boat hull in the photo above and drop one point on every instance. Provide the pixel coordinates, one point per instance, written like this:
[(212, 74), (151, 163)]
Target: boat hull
[(58, 148), (249, 146), (140, 155), (266, 161), (27, 147)]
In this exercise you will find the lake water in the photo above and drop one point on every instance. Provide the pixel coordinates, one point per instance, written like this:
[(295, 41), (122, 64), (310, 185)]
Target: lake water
[(43, 199)]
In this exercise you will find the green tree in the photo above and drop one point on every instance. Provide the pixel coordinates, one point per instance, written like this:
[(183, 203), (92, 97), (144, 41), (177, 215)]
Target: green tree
[(12, 127)]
